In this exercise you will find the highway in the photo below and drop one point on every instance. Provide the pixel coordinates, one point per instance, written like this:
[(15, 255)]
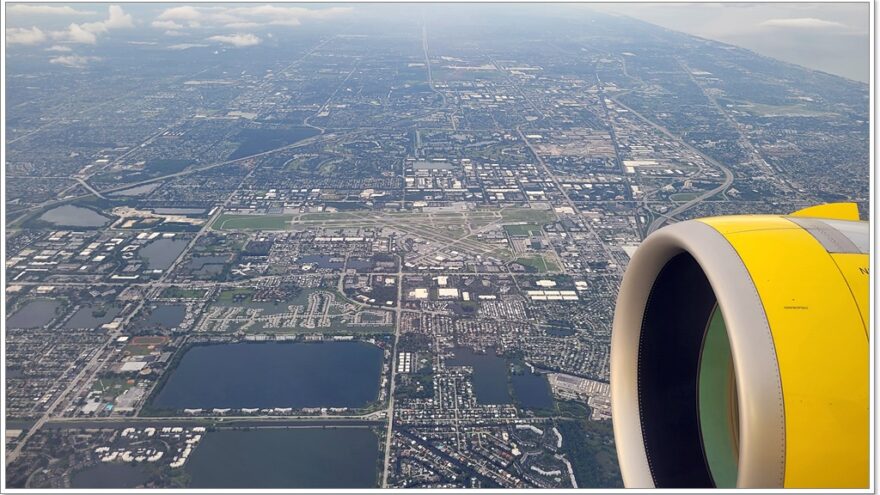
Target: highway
[(90, 370), (389, 431), (571, 204), (215, 421), (160, 178), (90, 188), (728, 175)]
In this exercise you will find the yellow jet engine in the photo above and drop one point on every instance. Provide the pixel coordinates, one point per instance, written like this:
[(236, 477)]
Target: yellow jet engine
[(740, 353)]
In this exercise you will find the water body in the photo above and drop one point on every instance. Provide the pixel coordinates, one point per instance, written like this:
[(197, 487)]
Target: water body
[(274, 374), (489, 376), (360, 263), (286, 458), (34, 314), (253, 141), (160, 254), (207, 265), (110, 475), (560, 331), (323, 261), (85, 318), (74, 216), (167, 315), (532, 391)]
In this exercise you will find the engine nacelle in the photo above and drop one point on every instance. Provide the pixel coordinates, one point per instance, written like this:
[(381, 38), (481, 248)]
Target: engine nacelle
[(740, 353)]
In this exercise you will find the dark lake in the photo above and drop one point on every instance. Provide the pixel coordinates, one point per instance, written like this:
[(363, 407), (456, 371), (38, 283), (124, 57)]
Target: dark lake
[(532, 391), (286, 458), (74, 216), (34, 314), (489, 376), (360, 263), (323, 261), (274, 374), (198, 262), (161, 253), (253, 141), (85, 317), (167, 315), (558, 331), (207, 265), (110, 475)]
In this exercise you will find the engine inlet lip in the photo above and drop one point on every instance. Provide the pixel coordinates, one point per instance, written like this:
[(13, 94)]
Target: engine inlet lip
[(762, 417)]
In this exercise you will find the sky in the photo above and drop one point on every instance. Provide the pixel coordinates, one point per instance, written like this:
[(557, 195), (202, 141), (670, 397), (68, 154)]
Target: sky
[(832, 37)]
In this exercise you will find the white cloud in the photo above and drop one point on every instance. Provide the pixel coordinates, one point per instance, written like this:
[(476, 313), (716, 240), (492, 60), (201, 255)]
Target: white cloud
[(88, 32), (26, 9), (242, 25), (247, 17), (74, 61), (186, 46), (803, 23), (238, 40), (76, 34), (185, 13), (166, 25), (59, 48), (116, 19), (24, 36)]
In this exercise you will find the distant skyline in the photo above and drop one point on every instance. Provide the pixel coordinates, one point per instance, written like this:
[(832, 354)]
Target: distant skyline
[(833, 37)]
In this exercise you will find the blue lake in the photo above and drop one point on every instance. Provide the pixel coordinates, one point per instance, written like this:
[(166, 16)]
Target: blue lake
[(92, 317), (34, 314), (532, 391), (110, 475), (166, 316), (161, 253), (286, 458), (489, 375), (274, 374), (74, 216)]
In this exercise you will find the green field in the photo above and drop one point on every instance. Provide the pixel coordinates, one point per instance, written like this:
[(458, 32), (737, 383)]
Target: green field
[(459, 229), (528, 229), (793, 110), (228, 295), (181, 293), (138, 350), (332, 215), (683, 197), (252, 222), (528, 215), (112, 387), (538, 263)]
